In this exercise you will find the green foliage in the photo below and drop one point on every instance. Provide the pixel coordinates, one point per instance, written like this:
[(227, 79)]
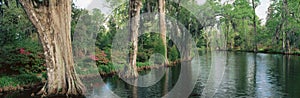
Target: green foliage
[(44, 75), (159, 46), (14, 25), (142, 64), (18, 80), (101, 57), (109, 68), (18, 33), (105, 68), (149, 44), (282, 27), (173, 54), (30, 61)]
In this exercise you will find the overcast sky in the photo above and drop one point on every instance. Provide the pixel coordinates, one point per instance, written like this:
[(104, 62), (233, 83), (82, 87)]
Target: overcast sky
[(261, 10)]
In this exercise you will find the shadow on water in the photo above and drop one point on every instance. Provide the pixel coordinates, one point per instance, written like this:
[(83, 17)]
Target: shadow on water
[(122, 89), (243, 75)]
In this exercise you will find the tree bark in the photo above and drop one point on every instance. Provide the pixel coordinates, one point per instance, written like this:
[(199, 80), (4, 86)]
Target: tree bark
[(284, 33), (254, 26), (226, 33), (53, 23), (162, 25), (287, 33), (134, 15)]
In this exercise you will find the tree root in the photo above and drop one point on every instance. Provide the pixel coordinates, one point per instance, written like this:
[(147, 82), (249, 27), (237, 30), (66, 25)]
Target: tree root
[(73, 90)]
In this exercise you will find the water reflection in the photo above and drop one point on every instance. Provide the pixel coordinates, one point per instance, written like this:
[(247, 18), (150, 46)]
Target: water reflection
[(122, 89), (242, 75), (260, 75), (218, 65), (265, 87)]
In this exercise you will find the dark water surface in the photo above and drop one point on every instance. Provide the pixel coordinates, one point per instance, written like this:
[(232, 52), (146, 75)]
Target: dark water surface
[(222, 74), (243, 75)]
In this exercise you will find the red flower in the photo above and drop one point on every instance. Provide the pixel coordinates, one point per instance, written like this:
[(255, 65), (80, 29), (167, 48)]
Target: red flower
[(22, 51), (103, 54), (93, 57)]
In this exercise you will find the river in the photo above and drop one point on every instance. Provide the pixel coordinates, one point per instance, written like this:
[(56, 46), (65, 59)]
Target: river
[(243, 75), (222, 74)]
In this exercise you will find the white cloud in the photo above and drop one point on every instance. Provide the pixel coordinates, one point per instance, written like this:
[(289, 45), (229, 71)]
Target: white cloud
[(262, 10)]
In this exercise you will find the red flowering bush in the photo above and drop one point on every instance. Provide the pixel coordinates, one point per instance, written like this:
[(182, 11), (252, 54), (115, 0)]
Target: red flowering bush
[(23, 51), (94, 58), (101, 57), (23, 58)]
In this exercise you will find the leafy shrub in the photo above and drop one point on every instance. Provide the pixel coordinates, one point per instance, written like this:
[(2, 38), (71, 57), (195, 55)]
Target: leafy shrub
[(22, 79), (23, 57), (173, 54), (159, 46), (104, 68), (7, 81), (101, 57), (109, 68), (149, 44)]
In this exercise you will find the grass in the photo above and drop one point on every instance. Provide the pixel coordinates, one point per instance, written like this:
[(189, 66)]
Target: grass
[(142, 64), (18, 80), (109, 68)]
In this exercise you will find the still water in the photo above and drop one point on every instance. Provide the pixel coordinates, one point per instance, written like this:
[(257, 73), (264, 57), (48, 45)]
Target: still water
[(222, 74)]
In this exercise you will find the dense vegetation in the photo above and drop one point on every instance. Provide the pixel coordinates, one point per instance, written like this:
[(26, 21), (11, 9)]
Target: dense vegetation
[(279, 34), (217, 26)]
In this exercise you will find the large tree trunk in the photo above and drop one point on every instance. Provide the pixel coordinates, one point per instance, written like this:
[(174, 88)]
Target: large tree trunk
[(162, 25), (134, 15), (53, 23)]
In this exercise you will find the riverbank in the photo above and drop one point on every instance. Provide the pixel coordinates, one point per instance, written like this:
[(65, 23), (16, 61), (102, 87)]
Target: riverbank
[(30, 81), (19, 82), (139, 69), (266, 51), (269, 52)]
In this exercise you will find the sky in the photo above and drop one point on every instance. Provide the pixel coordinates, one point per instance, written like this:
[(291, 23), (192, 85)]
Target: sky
[(91, 4), (261, 10)]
